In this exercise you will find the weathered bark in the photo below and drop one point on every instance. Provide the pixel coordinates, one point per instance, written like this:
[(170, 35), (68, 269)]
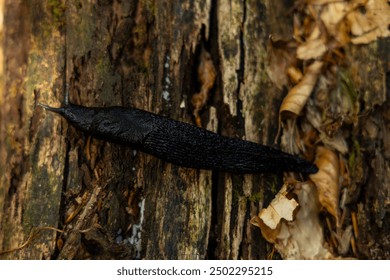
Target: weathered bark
[(144, 54), (370, 189), (33, 155)]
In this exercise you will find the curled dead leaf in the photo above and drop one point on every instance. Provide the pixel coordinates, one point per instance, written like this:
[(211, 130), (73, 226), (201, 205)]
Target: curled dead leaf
[(294, 74), (298, 95), (327, 180)]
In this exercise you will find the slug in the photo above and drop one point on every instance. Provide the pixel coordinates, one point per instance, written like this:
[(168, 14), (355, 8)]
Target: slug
[(177, 142)]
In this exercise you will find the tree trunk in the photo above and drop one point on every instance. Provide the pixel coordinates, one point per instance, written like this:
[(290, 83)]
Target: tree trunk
[(111, 202)]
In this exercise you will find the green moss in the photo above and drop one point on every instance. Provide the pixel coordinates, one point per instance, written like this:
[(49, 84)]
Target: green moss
[(57, 9), (143, 68), (102, 66), (42, 205), (354, 156), (140, 33), (236, 195), (347, 85), (256, 197), (80, 32), (272, 184), (47, 21), (150, 6)]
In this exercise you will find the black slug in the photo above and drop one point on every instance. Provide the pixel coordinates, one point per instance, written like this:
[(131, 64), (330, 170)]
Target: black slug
[(177, 142)]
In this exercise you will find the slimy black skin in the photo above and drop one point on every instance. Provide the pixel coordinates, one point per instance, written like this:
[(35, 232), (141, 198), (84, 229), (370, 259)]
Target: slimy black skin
[(177, 142)]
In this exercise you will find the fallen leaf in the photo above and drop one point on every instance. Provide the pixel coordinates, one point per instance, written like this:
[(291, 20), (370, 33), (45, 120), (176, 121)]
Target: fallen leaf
[(290, 140), (294, 74), (337, 142), (369, 21), (327, 180), (299, 94), (313, 47), (344, 240), (280, 208), (268, 220), (302, 237), (333, 17), (280, 57), (321, 2), (332, 14)]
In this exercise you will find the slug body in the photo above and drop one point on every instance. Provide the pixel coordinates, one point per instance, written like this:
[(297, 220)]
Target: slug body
[(178, 142)]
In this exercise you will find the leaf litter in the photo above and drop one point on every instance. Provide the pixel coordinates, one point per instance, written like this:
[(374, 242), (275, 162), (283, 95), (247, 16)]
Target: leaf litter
[(311, 219)]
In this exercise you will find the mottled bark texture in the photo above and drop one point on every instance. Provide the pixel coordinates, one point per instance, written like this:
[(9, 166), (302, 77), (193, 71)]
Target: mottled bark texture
[(112, 202)]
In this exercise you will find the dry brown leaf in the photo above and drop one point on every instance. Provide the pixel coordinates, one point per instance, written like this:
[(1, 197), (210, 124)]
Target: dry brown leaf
[(298, 31), (301, 238), (370, 21), (298, 95), (321, 2), (344, 240), (280, 208), (294, 74), (337, 142), (206, 77), (333, 17), (291, 140), (313, 115), (365, 19), (313, 47), (327, 180), (280, 57), (332, 14), (269, 234)]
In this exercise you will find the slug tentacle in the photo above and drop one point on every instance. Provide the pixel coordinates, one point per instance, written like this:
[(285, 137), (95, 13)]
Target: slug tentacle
[(52, 109), (177, 142)]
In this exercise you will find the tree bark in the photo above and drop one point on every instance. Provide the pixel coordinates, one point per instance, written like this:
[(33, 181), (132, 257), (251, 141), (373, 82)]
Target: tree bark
[(113, 202)]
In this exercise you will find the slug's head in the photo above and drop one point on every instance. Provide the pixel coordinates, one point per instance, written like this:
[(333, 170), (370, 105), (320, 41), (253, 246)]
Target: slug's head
[(79, 116), (62, 109)]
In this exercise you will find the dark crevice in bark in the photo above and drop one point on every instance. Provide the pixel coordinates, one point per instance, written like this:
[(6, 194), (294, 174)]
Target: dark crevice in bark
[(241, 75), (212, 45)]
